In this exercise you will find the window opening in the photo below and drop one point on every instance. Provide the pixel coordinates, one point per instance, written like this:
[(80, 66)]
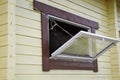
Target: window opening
[(60, 31), (67, 19)]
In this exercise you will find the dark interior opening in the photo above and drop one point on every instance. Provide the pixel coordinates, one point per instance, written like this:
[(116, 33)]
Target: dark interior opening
[(61, 31)]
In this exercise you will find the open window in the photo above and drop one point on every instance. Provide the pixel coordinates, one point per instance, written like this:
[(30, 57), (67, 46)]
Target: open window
[(60, 31), (84, 46), (68, 41)]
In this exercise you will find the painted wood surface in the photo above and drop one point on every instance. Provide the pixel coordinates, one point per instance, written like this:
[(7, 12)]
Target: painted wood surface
[(11, 40), (118, 25), (113, 32), (3, 39), (118, 16), (28, 40), (20, 39)]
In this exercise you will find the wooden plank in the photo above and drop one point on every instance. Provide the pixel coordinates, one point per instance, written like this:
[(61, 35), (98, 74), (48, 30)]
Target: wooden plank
[(3, 1), (104, 59), (105, 65), (28, 50), (63, 77), (24, 4), (27, 23), (3, 74), (104, 33), (3, 62), (112, 23), (28, 60), (115, 74), (3, 8), (27, 6), (101, 22), (20, 30), (103, 29), (3, 40), (3, 32), (11, 40), (28, 69), (33, 69), (3, 18), (97, 3), (115, 78), (80, 9), (89, 6), (3, 51), (3, 29), (24, 40), (27, 13)]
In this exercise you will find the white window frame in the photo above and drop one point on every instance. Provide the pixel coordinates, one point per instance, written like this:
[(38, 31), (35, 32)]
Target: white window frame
[(57, 54)]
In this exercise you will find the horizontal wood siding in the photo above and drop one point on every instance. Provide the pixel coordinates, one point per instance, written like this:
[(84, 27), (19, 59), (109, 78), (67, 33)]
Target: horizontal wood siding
[(28, 40), (118, 19), (113, 32), (118, 12), (3, 39)]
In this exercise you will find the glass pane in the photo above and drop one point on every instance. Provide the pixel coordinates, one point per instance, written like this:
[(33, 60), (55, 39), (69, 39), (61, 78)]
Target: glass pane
[(86, 46), (78, 48), (98, 45)]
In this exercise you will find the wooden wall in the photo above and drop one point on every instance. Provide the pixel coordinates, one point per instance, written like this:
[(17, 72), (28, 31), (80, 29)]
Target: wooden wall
[(118, 19), (113, 32), (28, 40), (118, 12), (3, 39)]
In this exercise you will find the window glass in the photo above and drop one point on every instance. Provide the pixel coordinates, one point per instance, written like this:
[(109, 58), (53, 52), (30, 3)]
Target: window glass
[(85, 45)]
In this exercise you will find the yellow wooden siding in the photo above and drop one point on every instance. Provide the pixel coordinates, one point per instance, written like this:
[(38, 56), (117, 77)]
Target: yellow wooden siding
[(118, 19), (113, 32), (64, 77), (3, 39), (28, 40)]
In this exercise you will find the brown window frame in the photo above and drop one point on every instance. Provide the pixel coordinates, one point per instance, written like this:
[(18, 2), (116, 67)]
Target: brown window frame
[(48, 64)]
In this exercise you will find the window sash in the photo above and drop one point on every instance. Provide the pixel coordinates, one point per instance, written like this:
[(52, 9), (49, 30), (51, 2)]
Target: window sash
[(58, 53)]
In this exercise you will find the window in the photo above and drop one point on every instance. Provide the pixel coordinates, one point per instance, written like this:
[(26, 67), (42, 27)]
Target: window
[(46, 16), (59, 32), (84, 46)]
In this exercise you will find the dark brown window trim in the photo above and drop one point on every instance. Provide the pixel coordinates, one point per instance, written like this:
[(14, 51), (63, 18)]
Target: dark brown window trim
[(47, 63)]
